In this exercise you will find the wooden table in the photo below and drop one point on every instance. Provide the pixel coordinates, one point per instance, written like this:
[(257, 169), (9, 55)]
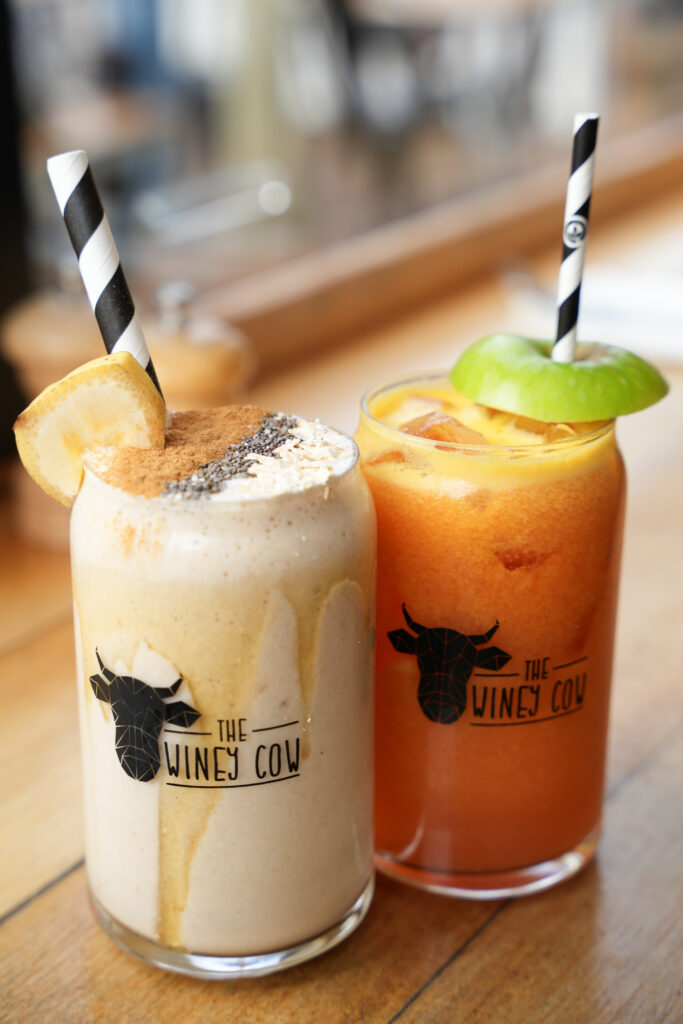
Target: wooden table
[(604, 947)]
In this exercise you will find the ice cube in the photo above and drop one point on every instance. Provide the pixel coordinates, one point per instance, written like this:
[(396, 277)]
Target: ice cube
[(387, 457), (488, 412), (531, 426), (545, 432), (407, 407), (560, 431), (496, 418), (437, 426)]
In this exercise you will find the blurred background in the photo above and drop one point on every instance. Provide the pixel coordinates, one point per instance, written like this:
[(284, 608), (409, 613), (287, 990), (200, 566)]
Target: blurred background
[(237, 144), (311, 197)]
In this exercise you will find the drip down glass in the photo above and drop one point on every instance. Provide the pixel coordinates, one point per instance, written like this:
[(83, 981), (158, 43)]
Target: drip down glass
[(225, 691)]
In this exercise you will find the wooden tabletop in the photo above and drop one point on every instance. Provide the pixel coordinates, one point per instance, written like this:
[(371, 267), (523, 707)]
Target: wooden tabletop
[(603, 947)]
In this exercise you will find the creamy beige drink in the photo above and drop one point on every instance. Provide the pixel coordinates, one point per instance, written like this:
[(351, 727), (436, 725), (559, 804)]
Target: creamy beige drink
[(223, 613)]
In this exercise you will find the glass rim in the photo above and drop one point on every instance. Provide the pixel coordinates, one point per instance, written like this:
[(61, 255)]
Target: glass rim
[(528, 448)]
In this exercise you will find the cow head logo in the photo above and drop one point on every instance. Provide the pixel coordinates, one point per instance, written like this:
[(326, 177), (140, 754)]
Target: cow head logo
[(446, 660), (139, 713)]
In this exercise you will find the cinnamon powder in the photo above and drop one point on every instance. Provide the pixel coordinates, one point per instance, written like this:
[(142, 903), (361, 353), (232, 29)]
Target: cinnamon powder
[(193, 439)]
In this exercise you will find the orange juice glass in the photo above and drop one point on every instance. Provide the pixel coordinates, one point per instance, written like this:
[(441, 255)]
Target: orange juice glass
[(497, 589)]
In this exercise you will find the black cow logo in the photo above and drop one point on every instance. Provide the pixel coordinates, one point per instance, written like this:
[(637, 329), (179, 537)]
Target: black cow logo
[(446, 659), (139, 713)]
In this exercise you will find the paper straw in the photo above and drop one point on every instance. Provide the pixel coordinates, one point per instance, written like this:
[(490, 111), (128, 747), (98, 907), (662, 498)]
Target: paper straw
[(575, 230), (98, 258)]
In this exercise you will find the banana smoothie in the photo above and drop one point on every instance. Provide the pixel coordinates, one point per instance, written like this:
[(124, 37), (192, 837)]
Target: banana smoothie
[(224, 625)]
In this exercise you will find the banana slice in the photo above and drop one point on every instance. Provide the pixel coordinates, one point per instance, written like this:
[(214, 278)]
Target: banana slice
[(108, 401)]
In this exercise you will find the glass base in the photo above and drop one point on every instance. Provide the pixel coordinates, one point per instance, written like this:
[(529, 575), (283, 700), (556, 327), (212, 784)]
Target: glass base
[(222, 968), (494, 885)]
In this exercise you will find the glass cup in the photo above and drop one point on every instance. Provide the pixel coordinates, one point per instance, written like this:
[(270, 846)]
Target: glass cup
[(498, 572), (225, 692)]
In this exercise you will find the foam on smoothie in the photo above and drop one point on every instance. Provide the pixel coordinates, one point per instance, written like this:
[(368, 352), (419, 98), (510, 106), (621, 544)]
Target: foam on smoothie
[(237, 452)]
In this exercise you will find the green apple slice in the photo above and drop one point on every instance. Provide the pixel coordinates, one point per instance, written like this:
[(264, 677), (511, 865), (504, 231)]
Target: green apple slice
[(516, 374)]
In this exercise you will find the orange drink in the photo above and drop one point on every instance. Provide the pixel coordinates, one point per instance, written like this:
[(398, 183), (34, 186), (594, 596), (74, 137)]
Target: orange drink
[(499, 550)]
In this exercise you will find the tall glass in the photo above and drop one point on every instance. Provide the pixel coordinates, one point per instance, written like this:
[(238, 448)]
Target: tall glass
[(498, 572), (225, 690)]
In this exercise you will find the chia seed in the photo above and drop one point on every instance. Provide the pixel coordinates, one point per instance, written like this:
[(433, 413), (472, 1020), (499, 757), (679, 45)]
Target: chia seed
[(213, 476)]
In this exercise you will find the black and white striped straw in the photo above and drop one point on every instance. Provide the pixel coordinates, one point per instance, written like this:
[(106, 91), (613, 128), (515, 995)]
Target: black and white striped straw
[(98, 258), (575, 230)]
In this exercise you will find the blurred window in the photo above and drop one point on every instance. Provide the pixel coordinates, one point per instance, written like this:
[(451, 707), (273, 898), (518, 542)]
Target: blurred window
[(228, 135)]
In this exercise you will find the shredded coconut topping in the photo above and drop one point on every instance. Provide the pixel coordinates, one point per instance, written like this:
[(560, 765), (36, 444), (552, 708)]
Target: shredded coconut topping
[(286, 454)]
